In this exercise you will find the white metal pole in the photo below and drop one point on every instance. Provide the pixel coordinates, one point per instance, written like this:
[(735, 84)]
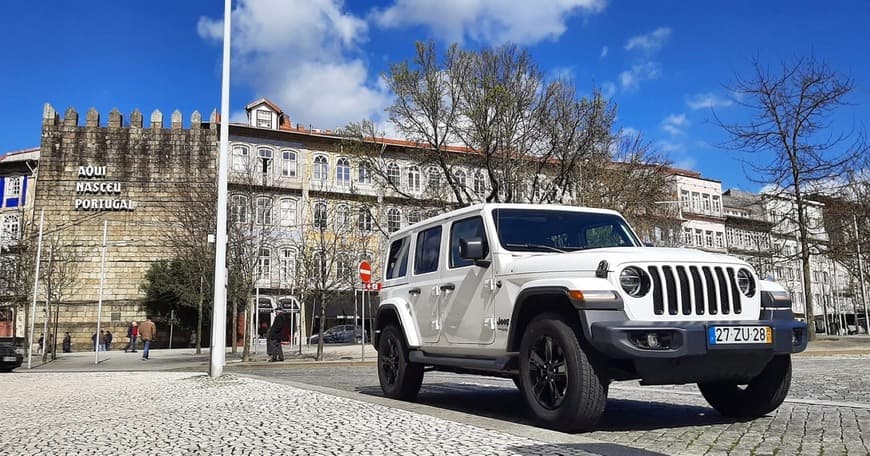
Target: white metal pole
[(97, 340), (171, 326), (217, 353), (362, 347), (257, 317), (35, 291), (861, 277)]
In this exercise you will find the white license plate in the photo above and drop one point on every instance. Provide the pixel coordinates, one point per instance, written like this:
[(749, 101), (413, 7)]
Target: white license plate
[(720, 335), (10, 359)]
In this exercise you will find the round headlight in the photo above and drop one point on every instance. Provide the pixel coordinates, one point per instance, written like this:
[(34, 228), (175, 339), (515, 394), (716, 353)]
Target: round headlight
[(746, 283), (634, 281)]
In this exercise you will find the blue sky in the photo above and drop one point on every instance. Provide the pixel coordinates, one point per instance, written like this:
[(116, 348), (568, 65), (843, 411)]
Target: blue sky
[(664, 63)]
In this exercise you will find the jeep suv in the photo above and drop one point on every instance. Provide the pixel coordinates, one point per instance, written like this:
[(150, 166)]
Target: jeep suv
[(564, 300)]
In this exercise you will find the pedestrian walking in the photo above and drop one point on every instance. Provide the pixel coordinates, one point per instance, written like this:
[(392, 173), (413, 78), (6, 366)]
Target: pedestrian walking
[(147, 331), (94, 340), (132, 334), (108, 340), (101, 342), (67, 343), (275, 335), (40, 343)]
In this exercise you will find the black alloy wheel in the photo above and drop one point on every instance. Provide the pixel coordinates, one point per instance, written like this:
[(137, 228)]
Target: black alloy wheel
[(559, 383), (399, 378), (548, 372)]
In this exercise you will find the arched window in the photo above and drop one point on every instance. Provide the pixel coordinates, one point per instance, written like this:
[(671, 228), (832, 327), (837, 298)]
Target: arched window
[(264, 266), (264, 154), (321, 268), (342, 213), (479, 184), (365, 219), (288, 163), (414, 179), (320, 216), (264, 210), (394, 174), (342, 171), (461, 178), (288, 212), (321, 167), (365, 173), (288, 266), (343, 269), (433, 179), (239, 209), (240, 157), (394, 219)]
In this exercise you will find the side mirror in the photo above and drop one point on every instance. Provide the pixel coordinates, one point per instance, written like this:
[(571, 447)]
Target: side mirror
[(472, 249)]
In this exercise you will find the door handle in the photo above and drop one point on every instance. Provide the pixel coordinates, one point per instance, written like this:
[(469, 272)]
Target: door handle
[(448, 286), (414, 291)]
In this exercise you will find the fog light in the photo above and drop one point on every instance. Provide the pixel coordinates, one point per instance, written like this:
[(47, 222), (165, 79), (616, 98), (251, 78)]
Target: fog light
[(652, 340), (797, 336)]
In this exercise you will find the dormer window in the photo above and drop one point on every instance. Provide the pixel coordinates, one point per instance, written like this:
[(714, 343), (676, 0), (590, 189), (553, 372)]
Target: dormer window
[(264, 118)]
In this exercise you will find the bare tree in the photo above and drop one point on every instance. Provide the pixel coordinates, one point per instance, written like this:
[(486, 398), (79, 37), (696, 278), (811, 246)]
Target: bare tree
[(60, 279), (793, 148)]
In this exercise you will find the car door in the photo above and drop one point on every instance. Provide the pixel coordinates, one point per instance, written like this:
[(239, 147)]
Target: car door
[(466, 303), (425, 292)]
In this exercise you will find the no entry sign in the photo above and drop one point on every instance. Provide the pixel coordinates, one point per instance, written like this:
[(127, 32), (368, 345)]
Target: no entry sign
[(365, 272)]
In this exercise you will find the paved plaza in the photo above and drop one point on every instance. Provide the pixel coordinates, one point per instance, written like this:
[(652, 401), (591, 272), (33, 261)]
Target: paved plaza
[(168, 406)]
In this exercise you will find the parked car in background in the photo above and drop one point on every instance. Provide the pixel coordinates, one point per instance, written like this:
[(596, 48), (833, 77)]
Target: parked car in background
[(341, 334), (9, 358)]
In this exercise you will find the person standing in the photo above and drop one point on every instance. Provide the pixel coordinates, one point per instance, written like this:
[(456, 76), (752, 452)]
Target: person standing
[(276, 332), (108, 340), (132, 334), (67, 343), (147, 331), (41, 343)]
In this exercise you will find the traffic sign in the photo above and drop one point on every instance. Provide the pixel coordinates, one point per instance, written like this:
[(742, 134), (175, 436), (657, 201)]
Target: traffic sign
[(365, 272), (372, 286)]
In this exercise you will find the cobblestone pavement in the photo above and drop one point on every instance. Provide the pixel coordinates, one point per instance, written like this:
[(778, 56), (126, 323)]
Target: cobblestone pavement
[(827, 411), (170, 413)]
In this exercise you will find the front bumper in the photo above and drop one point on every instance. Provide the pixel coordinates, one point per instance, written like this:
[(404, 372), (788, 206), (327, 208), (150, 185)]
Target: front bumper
[(617, 339)]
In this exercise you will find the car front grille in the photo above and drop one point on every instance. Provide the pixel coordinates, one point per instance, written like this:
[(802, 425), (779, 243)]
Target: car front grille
[(694, 290)]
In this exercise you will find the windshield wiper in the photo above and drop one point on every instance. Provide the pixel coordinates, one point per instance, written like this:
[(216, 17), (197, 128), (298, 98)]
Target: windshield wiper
[(536, 246)]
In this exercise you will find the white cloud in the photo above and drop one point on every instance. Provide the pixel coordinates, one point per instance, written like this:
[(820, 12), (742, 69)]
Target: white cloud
[(296, 51), (630, 79), (629, 132), (487, 21), (707, 101), (604, 52), (608, 89), (650, 42), (670, 147), (675, 123)]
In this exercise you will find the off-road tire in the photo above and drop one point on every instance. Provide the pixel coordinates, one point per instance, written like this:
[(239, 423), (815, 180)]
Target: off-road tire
[(559, 384), (761, 396), (399, 378)]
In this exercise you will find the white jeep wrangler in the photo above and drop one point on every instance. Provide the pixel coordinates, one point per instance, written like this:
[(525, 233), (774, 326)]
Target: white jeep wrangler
[(564, 300)]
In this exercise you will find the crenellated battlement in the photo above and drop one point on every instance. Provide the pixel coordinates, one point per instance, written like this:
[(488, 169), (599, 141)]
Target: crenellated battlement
[(50, 118)]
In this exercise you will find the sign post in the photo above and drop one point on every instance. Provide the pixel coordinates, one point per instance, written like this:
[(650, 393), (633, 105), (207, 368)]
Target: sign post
[(365, 274)]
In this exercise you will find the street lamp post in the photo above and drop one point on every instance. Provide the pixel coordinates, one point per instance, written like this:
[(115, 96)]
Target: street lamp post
[(35, 290), (97, 341)]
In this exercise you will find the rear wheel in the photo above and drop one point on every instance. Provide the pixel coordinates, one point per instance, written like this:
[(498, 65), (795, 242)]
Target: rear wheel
[(557, 379), (762, 395), (399, 378)]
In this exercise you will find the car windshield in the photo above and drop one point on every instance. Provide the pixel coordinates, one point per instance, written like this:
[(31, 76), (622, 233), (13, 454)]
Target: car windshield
[(538, 230)]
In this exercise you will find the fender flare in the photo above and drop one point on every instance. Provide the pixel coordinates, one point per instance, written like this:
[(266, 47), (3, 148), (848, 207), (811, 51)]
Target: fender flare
[(402, 311)]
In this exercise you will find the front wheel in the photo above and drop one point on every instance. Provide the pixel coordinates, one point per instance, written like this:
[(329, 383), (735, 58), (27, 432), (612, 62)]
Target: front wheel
[(399, 378), (762, 395), (557, 380)]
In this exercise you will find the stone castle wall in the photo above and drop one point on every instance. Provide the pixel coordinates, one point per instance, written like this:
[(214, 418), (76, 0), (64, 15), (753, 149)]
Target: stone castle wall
[(138, 179)]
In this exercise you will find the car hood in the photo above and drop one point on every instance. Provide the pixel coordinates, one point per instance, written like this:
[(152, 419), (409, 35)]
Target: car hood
[(588, 260)]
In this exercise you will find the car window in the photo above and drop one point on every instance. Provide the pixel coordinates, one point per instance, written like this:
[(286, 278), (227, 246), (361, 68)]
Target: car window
[(397, 259), (538, 230), (428, 249), (466, 229)]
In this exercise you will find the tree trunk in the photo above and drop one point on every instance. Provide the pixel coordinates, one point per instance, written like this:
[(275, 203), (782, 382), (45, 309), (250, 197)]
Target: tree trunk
[(322, 327), (249, 326), (54, 339), (199, 320), (235, 331)]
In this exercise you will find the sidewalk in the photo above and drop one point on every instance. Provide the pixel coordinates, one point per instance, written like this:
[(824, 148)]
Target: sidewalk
[(838, 345)]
